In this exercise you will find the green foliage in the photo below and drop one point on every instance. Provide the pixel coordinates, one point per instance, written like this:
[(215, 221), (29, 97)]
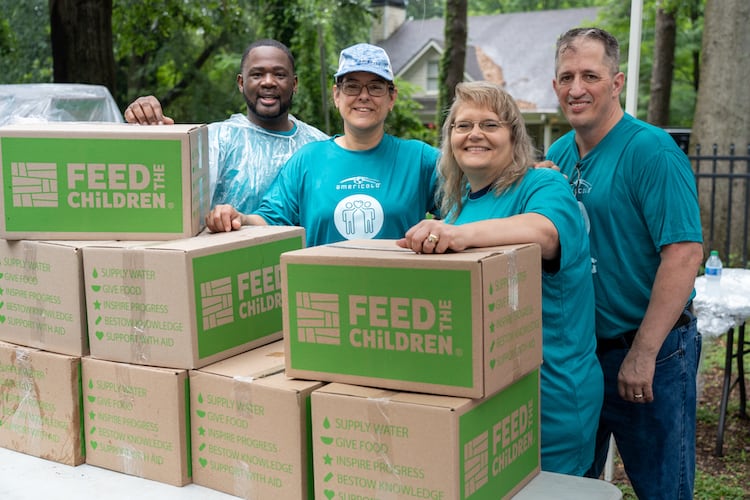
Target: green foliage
[(177, 51), (615, 17), (425, 9), (723, 486), (404, 122), (24, 42), (187, 52), (627, 492), (6, 38), (481, 7)]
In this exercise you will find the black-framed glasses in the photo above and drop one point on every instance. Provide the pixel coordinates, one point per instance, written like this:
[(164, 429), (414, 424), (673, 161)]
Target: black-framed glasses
[(465, 126), (375, 89)]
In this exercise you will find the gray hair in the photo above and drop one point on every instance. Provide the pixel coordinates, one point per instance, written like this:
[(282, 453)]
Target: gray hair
[(611, 47)]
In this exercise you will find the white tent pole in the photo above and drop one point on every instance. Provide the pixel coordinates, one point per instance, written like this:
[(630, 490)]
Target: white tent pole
[(634, 57)]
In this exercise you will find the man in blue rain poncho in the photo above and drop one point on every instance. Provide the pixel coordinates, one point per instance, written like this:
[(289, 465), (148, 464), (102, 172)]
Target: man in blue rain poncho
[(247, 151)]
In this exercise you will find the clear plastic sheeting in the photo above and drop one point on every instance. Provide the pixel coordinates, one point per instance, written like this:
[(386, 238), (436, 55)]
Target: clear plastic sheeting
[(728, 307), (245, 158), (57, 102)]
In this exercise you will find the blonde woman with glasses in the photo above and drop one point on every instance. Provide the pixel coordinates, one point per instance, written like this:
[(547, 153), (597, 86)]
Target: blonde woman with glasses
[(362, 184), (491, 195)]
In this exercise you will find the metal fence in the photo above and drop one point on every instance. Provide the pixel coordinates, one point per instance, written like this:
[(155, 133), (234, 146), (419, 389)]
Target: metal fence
[(723, 182)]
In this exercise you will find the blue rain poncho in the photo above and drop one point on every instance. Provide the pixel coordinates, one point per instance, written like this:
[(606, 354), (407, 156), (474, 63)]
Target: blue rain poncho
[(245, 158)]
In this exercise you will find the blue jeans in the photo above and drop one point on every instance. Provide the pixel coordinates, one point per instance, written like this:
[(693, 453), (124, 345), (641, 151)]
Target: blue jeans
[(656, 441)]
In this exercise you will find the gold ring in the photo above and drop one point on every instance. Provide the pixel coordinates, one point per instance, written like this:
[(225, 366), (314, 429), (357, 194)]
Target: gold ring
[(433, 238)]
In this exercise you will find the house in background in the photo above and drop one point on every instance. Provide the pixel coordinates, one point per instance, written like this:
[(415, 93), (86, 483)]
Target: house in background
[(515, 50)]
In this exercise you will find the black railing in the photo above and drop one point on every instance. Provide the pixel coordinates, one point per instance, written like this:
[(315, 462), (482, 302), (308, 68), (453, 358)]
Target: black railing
[(723, 182)]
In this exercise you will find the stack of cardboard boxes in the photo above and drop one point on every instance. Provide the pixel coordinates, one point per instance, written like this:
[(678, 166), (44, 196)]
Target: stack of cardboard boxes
[(110, 296), (133, 341), (434, 363)]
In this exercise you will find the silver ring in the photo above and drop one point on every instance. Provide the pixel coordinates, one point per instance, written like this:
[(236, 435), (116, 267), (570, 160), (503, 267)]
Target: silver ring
[(433, 238), (637, 396)]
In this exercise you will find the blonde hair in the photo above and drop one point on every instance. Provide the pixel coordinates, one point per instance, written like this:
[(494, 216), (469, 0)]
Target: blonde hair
[(492, 97)]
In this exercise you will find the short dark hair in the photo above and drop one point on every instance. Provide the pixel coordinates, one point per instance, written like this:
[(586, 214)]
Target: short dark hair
[(611, 47), (267, 42)]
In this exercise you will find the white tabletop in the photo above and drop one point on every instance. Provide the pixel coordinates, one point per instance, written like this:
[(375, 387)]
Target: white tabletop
[(729, 308), (23, 477)]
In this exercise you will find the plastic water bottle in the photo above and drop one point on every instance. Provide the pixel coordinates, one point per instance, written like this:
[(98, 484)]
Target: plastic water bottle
[(713, 273)]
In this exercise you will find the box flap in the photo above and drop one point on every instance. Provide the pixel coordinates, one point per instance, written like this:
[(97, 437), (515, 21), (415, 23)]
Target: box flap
[(387, 250), (385, 396), (255, 363), (254, 234), (120, 130)]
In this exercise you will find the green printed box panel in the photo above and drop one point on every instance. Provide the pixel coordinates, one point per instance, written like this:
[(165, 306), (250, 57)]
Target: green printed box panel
[(94, 185), (239, 295), (398, 323), (137, 420), (500, 441)]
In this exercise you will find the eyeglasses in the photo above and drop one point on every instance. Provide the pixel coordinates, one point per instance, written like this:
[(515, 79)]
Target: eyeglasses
[(489, 126), (375, 89)]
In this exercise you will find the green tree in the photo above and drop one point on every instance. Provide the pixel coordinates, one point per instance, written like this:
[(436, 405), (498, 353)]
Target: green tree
[(186, 53), (482, 7), (81, 36), (662, 69), (404, 121), (26, 55), (615, 17), (452, 62), (425, 9), (722, 117)]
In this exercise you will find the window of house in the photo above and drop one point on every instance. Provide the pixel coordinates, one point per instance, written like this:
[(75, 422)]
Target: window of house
[(433, 69)]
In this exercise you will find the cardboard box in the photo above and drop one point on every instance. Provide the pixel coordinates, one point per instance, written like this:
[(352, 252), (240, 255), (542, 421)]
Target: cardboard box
[(460, 324), (97, 181), (186, 303), (41, 295), (136, 420), (374, 443), (40, 404), (250, 427)]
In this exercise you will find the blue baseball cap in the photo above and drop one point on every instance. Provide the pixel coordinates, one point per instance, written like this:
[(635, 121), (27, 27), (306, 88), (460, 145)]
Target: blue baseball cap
[(365, 57)]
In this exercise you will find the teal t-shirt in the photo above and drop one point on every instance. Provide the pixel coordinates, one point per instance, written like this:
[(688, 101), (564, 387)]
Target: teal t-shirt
[(572, 385), (639, 193), (337, 194)]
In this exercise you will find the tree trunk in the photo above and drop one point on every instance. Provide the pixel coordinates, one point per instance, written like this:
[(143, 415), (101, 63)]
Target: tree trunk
[(663, 68), (81, 36), (454, 56), (722, 117)]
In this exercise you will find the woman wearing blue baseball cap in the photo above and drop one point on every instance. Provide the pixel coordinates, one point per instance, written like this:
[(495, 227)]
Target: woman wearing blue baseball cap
[(362, 184)]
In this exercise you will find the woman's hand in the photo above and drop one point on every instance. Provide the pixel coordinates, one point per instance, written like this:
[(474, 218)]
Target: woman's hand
[(433, 236)]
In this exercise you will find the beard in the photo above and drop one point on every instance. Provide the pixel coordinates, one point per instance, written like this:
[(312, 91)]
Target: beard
[(269, 114)]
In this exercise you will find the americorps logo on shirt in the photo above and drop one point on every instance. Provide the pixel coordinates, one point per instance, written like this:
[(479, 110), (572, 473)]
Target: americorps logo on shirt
[(358, 216), (358, 182)]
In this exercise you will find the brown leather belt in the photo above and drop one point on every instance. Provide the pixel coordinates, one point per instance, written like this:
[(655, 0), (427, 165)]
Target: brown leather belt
[(625, 341)]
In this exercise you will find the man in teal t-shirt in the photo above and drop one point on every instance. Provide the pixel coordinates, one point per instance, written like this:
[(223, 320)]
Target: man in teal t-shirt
[(639, 195)]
